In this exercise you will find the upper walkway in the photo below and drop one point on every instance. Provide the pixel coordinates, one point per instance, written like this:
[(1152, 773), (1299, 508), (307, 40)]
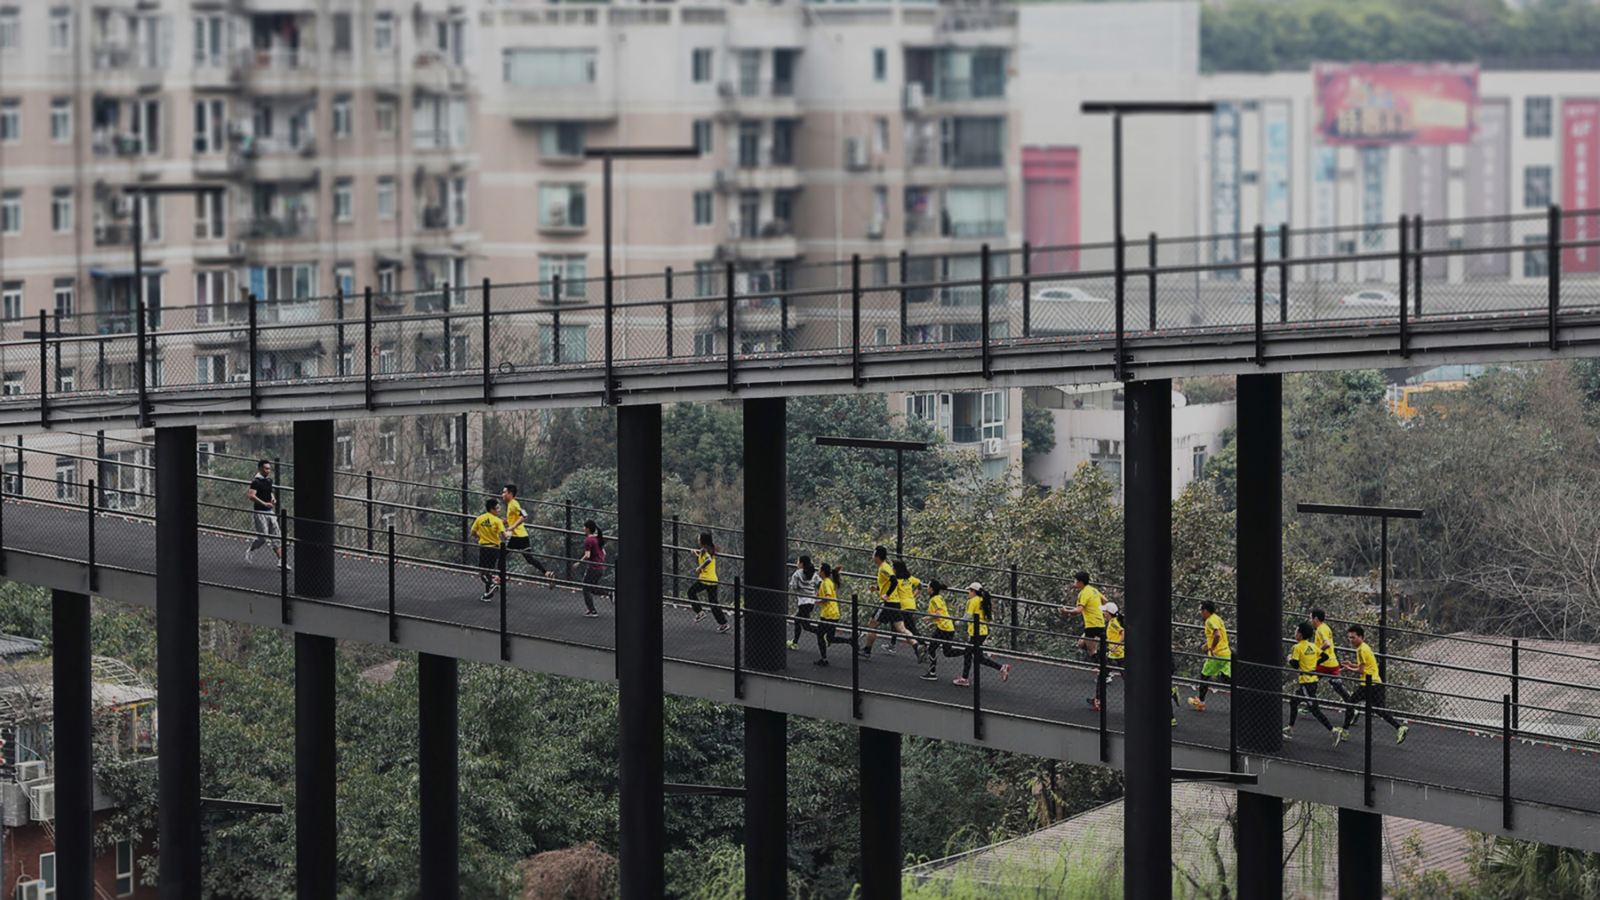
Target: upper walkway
[(1491, 754), (1466, 290)]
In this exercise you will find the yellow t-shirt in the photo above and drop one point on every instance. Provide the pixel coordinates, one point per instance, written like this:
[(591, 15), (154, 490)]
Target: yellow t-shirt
[(1089, 600), (1305, 655), (488, 528), (940, 614), (1330, 656), (1217, 638), (885, 572), (976, 617), (708, 575), (1368, 661), (1114, 637), (905, 592), (828, 597), (514, 512)]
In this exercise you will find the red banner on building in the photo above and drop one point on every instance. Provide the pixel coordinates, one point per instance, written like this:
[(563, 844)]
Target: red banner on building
[(1580, 167), (1396, 103)]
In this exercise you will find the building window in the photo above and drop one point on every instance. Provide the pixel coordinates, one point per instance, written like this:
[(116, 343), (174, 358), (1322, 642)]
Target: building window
[(385, 117), (1198, 457), (749, 144), (973, 142), (344, 451), (783, 142), (124, 868), (66, 484), (386, 280), (11, 478), (11, 212), (386, 197), (383, 32), (574, 344), (343, 200), (572, 268), (345, 365), (11, 300), (12, 384), (64, 298), (705, 343), (10, 120), (61, 120), (209, 223), (992, 407), (1535, 259), (1536, 117), (212, 40), (10, 29), (561, 206), (548, 66), (1536, 186), (700, 64), (341, 116), (783, 205), (386, 359), (880, 64), (386, 445), (211, 296), (702, 208), (66, 380), (342, 40), (971, 212), (211, 369), (702, 136), (210, 125), (344, 279), (61, 210), (561, 140), (458, 202)]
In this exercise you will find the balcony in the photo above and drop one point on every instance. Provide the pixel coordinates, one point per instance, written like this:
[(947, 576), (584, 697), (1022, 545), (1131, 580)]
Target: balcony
[(284, 70), (755, 97), (587, 102), (773, 239), (437, 72), (218, 165), (220, 71), (297, 227), (127, 66), (113, 235), (119, 145), (767, 176)]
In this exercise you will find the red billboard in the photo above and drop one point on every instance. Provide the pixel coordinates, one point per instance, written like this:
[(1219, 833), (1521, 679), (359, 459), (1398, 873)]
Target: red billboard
[(1580, 167), (1362, 104)]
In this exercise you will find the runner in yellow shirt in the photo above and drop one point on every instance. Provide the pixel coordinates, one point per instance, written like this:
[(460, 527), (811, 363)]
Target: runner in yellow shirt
[(828, 614), (1327, 664), (1219, 656), (942, 638), (490, 530), (705, 582), (979, 612), (1366, 668), (1116, 647), (1303, 659), (517, 526), (1089, 601), (888, 611)]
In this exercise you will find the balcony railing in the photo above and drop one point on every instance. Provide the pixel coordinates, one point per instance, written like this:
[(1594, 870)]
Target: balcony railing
[(280, 227)]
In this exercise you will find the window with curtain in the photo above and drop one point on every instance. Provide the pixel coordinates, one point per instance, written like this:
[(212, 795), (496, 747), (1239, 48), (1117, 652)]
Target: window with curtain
[(549, 66), (972, 212)]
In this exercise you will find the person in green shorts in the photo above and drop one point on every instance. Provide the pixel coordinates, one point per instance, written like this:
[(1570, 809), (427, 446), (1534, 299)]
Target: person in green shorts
[(1218, 666)]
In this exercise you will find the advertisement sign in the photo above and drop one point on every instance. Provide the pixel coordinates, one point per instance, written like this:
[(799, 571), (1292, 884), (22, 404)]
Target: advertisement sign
[(1050, 205), (1580, 167), (1424, 177), (1374, 166), (1395, 103), (1488, 191), (1225, 187), (1274, 171), (1324, 206)]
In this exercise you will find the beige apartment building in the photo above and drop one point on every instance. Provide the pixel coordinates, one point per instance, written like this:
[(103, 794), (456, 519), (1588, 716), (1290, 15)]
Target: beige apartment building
[(346, 144)]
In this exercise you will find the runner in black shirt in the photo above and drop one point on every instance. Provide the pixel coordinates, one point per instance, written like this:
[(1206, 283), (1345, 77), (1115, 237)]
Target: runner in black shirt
[(263, 513)]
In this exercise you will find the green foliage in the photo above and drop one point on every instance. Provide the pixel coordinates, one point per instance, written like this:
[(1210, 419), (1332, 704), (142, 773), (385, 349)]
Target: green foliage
[(1038, 431), (1511, 869), (1265, 36)]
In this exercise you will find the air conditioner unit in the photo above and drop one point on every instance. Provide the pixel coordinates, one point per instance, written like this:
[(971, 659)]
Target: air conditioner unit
[(912, 98), (994, 447), (30, 890), (725, 89), (44, 802), (239, 377), (722, 180), (31, 771), (875, 228), (855, 154), (236, 248)]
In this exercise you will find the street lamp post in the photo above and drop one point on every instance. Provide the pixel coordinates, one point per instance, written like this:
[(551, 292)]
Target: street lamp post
[(606, 155), (899, 448), (1383, 514)]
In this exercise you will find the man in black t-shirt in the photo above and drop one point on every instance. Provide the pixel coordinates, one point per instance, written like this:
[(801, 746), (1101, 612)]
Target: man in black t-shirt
[(263, 512)]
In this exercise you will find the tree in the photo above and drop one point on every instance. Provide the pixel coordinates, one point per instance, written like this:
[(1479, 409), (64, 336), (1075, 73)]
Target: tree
[(1038, 431)]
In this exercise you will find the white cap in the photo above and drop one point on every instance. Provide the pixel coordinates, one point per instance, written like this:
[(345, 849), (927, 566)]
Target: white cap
[(975, 586), (1109, 609)]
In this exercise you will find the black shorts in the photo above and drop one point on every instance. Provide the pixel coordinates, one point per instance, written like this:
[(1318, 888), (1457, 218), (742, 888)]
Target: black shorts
[(890, 613), (488, 556), (1114, 662), (1098, 633), (518, 543)]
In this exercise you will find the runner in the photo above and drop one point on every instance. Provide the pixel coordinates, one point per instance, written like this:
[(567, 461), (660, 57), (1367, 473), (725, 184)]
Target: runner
[(803, 585), (594, 560), (1094, 620), (1327, 664), (941, 630), (1219, 656), (705, 567), (517, 528), (490, 530), (1303, 659), (1116, 648), (263, 513), (1366, 666), (979, 612), (905, 595), (828, 615), (888, 612)]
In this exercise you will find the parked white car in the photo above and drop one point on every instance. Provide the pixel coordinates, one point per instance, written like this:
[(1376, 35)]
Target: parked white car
[(1371, 297), (1066, 295)]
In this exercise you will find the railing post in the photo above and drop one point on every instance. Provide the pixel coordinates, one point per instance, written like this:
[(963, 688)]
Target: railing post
[(855, 319), (369, 510), (1506, 733), (1405, 287), (1553, 253), (1366, 765), (1516, 682), (566, 535), (977, 692), (94, 572), (394, 623), (283, 561), (985, 284), (610, 392), (1100, 701), (555, 318), (733, 328), (44, 371), (783, 322), (855, 657), (444, 308), (1417, 262), (1259, 268), (1152, 278), (338, 330), (505, 633), (488, 383), (738, 642), (1283, 272), (1233, 721), (905, 298), (366, 340), (3, 516), (1120, 263), (674, 555), (253, 343), (1014, 604), (1027, 289), (668, 306)]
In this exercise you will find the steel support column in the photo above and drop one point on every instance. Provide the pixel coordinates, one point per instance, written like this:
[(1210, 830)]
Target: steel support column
[(766, 824), (178, 662), (1147, 821), (880, 814), (766, 537), (1260, 568), (1260, 866), (315, 761), (1360, 853), (313, 508), (74, 742), (640, 792), (436, 774)]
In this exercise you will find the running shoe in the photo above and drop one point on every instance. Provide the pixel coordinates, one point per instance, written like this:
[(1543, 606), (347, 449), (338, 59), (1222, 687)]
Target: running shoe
[(889, 649), (1288, 732), (1339, 734), (723, 628), (699, 616), (1005, 671), (794, 645), (591, 614), (249, 557), (1198, 704), (958, 681), (930, 676), (922, 655), (820, 662), (1400, 734), (487, 595), (1355, 719), (1095, 704)]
